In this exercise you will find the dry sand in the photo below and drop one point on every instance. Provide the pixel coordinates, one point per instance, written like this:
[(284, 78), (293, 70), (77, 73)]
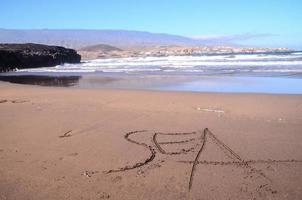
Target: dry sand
[(66, 143)]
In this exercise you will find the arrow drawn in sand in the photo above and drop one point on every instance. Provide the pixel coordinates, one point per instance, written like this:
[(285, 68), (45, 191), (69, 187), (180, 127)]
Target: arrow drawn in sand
[(202, 139)]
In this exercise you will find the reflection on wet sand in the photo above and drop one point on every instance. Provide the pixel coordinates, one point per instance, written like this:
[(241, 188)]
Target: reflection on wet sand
[(237, 84), (57, 81)]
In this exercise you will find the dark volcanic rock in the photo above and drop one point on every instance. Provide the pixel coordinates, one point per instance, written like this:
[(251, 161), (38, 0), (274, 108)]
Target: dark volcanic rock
[(34, 55)]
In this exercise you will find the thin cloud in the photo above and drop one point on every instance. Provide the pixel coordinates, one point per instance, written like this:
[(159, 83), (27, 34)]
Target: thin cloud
[(233, 38)]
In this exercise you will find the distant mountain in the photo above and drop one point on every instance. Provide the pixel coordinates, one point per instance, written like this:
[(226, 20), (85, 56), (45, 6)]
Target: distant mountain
[(100, 47), (81, 38)]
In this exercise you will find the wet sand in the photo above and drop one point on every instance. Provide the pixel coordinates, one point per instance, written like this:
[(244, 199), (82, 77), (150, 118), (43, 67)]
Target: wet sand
[(73, 143), (225, 83)]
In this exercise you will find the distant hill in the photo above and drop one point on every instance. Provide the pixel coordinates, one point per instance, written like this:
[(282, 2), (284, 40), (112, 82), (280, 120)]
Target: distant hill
[(100, 47), (81, 38)]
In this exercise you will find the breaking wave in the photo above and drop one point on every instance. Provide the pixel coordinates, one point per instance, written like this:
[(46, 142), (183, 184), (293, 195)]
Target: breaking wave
[(233, 63)]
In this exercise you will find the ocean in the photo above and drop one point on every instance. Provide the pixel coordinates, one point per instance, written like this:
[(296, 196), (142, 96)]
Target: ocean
[(279, 72)]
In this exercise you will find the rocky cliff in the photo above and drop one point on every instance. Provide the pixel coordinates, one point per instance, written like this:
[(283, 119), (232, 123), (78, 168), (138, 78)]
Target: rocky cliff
[(30, 55)]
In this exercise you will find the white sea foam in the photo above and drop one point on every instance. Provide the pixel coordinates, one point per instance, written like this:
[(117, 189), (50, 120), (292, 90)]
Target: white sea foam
[(289, 63), (279, 70)]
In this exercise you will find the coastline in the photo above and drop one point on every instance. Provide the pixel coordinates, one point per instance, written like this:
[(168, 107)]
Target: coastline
[(275, 73), (211, 83), (58, 143)]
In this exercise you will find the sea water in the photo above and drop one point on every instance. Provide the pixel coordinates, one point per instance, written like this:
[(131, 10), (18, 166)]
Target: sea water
[(248, 72)]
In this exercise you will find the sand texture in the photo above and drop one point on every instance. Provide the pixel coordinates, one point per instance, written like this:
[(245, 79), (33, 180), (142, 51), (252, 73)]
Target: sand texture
[(67, 143)]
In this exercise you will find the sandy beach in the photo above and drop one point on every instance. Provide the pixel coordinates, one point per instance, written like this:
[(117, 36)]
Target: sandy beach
[(73, 143)]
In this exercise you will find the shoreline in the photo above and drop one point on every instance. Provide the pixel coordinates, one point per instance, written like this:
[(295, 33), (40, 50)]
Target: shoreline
[(180, 83), (71, 88)]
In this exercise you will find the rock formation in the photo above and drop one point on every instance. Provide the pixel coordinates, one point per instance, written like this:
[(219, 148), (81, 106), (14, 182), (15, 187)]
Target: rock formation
[(30, 55)]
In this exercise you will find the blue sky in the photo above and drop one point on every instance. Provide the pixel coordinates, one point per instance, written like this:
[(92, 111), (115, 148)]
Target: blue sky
[(253, 22)]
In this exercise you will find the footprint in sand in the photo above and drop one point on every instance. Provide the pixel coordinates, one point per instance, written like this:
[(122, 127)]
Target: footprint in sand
[(73, 154), (66, 134), (3, 101), (13, 101)]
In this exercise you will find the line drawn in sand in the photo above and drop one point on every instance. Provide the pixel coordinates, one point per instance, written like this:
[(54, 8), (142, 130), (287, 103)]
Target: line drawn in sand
[(201, 141)]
